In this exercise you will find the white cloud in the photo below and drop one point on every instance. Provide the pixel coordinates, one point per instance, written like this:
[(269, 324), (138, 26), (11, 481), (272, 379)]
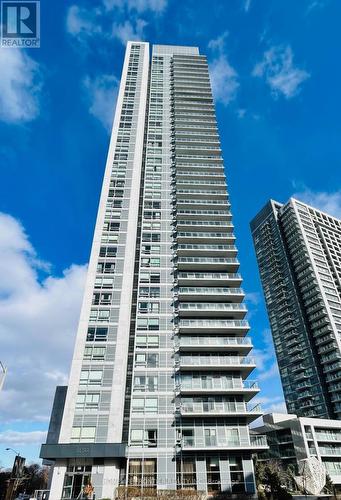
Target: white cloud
[(241, 112), (16, 438), (278, 70), (155, 6), (102, 94), (38, 322), (224, 80), (247, 5), (126, 31), (327, 202), (269, 372), (219, 42), (81, 22), (20, 86)]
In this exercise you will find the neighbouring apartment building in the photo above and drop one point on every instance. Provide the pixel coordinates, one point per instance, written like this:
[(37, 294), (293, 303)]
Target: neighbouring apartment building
[(298, 250), (291, 439), (158, 394)]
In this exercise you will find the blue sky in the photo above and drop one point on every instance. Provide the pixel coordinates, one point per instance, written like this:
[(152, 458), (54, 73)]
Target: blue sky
[(276, 78)]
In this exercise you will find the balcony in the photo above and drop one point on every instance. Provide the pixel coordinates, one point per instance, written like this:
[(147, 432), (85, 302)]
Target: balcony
[(199, 214), (241, 364), (213, 326), (204, 309), (203, 225), (216, 294), (189, 278), (201, 204), (203, 343), (255, 443), (247, 388), (207, 250), (204, 237), (207, 263), (222, 408)]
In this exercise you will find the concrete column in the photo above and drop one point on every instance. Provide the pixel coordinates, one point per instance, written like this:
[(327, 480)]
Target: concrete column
[(57, 481), (166, 473), (200, 466), (111, 475), (249, 476), (225, 476)]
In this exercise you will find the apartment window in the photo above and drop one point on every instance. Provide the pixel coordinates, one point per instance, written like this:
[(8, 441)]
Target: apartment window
[(152, 292), (104, 282), (152, 237), (150, 249), (213, 474), (91, 377), (146, 438), (108, 251), (97, 334), (149, 277), (148, 360), (83, 434), (145, 405), (148, 324), (150, 262), (145, 383), (149, 307), (99, 315), (142, 472), (95, 353), (88, 401), (144, 341)]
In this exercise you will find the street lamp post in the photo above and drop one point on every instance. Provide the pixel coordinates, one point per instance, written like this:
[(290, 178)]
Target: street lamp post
[(14, 480)]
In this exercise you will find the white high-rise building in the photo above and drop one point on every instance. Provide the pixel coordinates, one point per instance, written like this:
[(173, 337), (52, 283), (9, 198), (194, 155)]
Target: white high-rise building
[(158, 395)]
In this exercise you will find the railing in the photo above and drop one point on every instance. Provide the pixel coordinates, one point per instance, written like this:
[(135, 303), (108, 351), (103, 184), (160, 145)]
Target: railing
[(210, 290), (209, 306), (216, 384), (207, 260), (214, 323), (190, 234), (212, 441), (215, 361), (218, 407), (258, 440), (213, 341), (190, 246), (210, 276)]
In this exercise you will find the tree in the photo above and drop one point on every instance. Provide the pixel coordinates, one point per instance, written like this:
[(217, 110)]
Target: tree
[(271, 480)]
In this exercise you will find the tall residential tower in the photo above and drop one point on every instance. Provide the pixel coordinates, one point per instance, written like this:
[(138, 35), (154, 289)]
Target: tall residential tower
[(158, 395), (299, 255)]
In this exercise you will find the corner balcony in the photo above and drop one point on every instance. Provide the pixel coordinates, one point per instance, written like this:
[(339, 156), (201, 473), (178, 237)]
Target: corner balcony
[(241, 364), (204, 237), (254, 443), (213, 326), (247, 388), (219, 409), (214, 344), (206, 309), (216, 294), (207, 263)]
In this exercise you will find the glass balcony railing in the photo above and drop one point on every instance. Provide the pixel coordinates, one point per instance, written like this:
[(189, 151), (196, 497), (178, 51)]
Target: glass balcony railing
[(215, 361), (218, 383), (212, 306), (214, 324), (214, 341), (189, 290), (217, 407), (252, 441)]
